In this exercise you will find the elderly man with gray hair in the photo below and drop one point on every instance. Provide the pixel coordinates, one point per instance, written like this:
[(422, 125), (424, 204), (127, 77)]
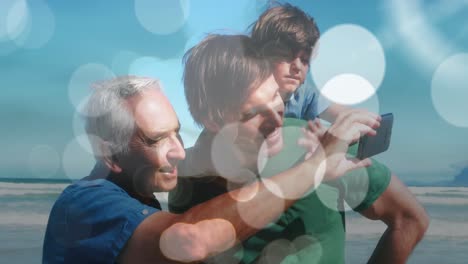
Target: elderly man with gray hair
[(112, 215)]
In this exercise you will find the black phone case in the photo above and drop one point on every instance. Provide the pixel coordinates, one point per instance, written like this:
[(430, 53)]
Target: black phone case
[(373, 145)]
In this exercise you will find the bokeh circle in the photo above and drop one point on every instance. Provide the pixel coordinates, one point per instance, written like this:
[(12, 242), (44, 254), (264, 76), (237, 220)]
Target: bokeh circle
[(450, 90)]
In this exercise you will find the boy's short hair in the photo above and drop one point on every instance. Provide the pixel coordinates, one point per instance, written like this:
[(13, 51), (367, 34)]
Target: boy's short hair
[(219, 74), (285, 30)]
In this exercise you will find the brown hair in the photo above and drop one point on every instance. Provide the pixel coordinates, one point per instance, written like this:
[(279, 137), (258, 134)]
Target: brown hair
[(219, 74), (285, 30)]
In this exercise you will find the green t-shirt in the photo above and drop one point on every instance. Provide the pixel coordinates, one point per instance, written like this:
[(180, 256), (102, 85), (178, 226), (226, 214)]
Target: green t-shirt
[(312, 230), (314, 226)]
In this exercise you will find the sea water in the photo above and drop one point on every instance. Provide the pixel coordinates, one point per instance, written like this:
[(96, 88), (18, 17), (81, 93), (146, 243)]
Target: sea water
[(25, 206)]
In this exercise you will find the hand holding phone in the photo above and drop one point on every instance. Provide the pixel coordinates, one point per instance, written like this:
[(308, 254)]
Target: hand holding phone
[(373, 145)]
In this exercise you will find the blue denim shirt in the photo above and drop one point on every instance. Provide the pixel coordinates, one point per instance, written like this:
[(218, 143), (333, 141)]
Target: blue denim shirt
[(305, 103), (91, 222)]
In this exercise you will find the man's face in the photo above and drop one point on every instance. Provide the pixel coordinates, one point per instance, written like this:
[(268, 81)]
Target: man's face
[(156, 147), (262, 118), (290, 73)]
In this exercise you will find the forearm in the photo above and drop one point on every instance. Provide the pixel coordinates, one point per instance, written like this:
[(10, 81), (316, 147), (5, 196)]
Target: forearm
[(252, 207), (216, 225)]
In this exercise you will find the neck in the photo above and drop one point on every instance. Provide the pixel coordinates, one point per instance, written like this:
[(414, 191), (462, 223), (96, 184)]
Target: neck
[(125, 182)]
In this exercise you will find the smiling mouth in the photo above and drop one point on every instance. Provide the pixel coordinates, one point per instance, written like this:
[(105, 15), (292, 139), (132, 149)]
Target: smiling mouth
[(168, 170)]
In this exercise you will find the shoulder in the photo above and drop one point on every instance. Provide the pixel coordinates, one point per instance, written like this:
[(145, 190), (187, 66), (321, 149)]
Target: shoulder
[(86, 193), (92, 220), (306, 90)]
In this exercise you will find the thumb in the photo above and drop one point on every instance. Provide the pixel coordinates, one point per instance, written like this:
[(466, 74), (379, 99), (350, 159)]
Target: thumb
[(357, 163)]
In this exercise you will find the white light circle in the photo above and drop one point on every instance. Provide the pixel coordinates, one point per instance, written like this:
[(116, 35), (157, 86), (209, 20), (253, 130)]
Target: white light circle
[(449, 89), (6, 7), (231, 256), (243, 194), (276, 251), (82, 137), (348, 48), (77, 162), (80, 85), (39, 28), (348, 89), (228, 158), (357, 187), (269, 166), (273, 187), (310, 250), (78, 123), (251, 218), (162, 17), (17, 19), (290, 155), (13, 21), (44, 161)]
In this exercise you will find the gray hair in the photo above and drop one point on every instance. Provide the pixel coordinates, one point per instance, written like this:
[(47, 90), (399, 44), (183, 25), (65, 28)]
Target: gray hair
[(107, 118)]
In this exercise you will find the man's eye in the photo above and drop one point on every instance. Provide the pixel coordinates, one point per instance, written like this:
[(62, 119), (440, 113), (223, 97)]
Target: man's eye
[(151, 141)]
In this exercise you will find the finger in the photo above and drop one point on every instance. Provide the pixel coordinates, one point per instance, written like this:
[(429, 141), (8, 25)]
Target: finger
[(360, 130), (358, 114), (367, 112), (357, 163), (353, 121), (316, 127), (307, 142), (312, 126), (364, 163)]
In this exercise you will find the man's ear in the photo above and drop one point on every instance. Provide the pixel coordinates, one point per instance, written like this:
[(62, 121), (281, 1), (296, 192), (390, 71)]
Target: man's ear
[(109, 159)]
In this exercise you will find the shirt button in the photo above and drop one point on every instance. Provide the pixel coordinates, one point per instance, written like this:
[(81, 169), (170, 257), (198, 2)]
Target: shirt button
[(145, 211)]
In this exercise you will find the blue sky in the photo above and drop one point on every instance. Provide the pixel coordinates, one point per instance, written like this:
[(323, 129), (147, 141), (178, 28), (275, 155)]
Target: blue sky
[(49, 50)]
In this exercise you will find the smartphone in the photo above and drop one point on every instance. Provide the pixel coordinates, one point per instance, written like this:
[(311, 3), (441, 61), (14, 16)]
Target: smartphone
[(373, 145)]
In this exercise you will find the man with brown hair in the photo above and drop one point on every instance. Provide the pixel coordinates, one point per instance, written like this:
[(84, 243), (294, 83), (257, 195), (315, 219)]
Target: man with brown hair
[(232, 93)]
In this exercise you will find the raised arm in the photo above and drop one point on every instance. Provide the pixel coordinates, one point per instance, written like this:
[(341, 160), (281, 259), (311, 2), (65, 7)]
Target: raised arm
[(216, 225), (331, 113)]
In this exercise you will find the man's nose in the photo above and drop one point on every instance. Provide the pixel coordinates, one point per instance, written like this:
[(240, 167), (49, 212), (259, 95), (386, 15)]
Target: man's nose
[(177, 151), (276, 113)]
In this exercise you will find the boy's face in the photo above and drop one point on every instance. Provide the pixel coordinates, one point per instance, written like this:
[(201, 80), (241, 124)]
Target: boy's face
[(291, 73)]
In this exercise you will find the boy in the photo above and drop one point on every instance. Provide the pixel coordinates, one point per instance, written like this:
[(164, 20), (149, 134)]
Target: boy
[(287, 36)]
